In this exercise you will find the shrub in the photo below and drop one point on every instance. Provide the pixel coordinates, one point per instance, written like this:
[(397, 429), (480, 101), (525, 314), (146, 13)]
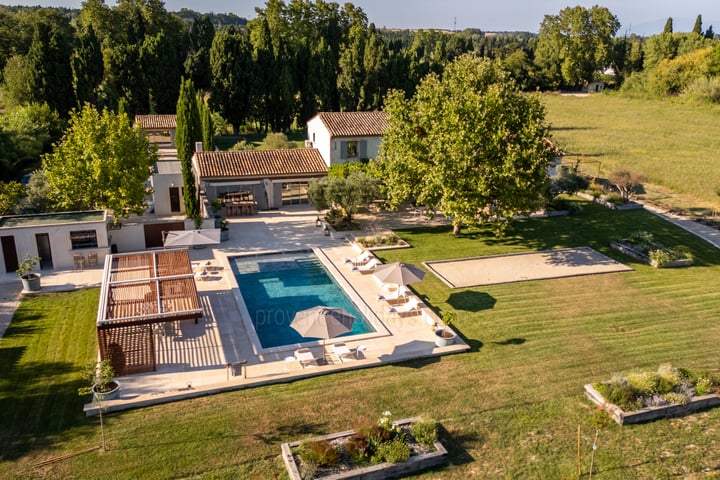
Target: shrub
[(357, 446), (619, 392), (394, 451), (615, 199), (319, 453), (574, 208), (644, 383), (599, 419), (669, 378), (674, 397), (703, 386), (425, 432)]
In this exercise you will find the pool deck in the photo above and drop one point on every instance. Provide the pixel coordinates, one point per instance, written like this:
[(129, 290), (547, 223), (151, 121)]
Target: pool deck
[(219, 354)]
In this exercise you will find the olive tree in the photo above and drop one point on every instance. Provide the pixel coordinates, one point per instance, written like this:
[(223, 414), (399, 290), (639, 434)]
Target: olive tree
[(469, 144), (343, 196)]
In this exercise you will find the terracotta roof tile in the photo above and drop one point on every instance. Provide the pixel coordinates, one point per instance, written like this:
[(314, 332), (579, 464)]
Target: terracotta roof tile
[(156, 122), (260, 163), (354, 124)]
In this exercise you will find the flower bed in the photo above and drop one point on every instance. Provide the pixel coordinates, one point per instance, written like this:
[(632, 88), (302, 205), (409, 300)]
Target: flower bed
[(372, 452), (644, 396), (641, 246), (384, 241)]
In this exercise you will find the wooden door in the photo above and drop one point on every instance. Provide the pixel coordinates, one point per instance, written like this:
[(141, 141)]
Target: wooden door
[(9, 253)]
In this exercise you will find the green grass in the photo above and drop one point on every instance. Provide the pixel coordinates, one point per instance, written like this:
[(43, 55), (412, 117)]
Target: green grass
[(510, 408), (674, 144)]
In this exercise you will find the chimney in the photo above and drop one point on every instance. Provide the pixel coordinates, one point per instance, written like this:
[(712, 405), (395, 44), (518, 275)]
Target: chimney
[(198, 147)]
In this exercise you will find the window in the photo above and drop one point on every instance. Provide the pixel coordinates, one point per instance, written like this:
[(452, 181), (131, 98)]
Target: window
[(352, 149), (83, 239)]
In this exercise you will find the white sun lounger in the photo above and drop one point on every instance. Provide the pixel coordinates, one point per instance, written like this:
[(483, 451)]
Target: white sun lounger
[(361, 259), (411, 306), (398, 294), (305, 357), (369, 267), (342, 352)]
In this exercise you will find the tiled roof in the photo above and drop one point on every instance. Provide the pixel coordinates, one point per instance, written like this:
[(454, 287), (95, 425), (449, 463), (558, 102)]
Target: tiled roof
[(354, 124), (260, 163), (156, 122)]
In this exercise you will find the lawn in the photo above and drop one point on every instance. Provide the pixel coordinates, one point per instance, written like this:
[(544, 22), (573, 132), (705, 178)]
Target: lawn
[(510, 408), (674, 144)]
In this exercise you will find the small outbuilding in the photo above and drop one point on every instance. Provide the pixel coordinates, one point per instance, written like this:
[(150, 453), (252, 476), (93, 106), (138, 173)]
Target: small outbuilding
[(342, 137)]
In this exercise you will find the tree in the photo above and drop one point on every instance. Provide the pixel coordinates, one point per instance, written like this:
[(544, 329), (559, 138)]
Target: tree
[(668, 28), (576, 43), (627, 182), (102, 162), (188, 131), (277, 141), (469, 144), (232, 76), (343, 196), (207, 129), (38, 193), (697, 28), (87, 68), (197, 63), (32, 129), (11, 193)]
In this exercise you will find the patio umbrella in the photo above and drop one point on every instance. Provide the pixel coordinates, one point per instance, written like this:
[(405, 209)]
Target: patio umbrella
[(322, 322), (190, 238), (399, 273)]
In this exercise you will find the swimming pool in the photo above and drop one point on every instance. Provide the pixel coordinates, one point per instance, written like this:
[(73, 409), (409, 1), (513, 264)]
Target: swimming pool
[(276, 286)]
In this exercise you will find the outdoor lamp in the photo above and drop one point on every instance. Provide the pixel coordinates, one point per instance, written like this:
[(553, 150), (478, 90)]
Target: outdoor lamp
[(326, 231), (318, 222)]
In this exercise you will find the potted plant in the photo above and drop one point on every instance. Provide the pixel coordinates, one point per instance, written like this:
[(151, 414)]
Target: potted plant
[(99, 376), (224, 230), (217, 205), (444, 336), (30, 279), (99, 380)]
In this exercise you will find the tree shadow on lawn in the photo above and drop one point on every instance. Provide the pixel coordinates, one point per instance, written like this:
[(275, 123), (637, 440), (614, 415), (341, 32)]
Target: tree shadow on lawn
[(510, 341), (35, 408), (471, 301)]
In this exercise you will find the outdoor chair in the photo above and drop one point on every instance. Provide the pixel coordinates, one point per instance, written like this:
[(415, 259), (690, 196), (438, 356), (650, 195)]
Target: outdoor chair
[(369, 267), (92, 259), (361, 259), (305, 357), (411, 306), (398, 294), (342, 352)]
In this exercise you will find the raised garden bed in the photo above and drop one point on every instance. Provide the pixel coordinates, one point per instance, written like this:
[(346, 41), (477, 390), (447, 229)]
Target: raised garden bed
[(647, 414), (421, 458), (629, 205), (646, 396), (642, 247), (384, 241)]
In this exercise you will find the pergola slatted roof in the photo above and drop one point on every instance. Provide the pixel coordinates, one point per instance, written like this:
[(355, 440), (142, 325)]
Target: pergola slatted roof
[(147, 287), (138, 290)]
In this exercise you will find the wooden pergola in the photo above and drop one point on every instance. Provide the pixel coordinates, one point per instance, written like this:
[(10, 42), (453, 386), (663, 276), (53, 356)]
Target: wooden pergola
[(139, 290)]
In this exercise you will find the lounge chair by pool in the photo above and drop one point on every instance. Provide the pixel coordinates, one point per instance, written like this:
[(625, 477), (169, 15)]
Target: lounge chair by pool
[(342, 352), (361, 259), (411, 306), (394, 295), (369, 267)]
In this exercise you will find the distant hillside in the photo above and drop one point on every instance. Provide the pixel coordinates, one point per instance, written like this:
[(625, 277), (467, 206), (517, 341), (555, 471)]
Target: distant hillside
[(654, 27)]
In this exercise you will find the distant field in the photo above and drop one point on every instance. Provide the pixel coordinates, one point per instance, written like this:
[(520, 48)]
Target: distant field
[(675, 145)]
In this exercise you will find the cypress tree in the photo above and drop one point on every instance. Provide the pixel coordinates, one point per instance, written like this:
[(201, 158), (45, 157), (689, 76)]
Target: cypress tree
[(206, 124), (186, 134)]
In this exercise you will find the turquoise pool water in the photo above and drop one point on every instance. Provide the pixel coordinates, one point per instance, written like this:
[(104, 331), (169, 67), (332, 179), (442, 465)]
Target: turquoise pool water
[(275, 287)]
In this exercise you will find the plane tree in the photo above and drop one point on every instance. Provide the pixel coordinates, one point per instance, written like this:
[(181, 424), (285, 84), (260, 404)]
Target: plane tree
[(469, 144), (102, 162)]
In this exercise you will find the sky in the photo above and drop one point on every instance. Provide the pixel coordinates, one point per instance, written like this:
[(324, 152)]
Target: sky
[(643, 17)]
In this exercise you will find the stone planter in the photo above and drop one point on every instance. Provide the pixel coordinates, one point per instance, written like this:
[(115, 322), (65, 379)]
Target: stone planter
[(112, 394), (641, 257), (444, 338), (30, 282), (414, 464), (647, 414)]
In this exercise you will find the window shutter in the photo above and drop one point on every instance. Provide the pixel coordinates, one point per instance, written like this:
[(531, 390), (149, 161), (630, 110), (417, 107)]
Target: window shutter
[(362, 149), (343, 150)]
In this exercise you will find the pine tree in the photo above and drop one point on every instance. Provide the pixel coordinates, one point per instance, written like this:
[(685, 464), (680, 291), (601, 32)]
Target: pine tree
[(188, 132)]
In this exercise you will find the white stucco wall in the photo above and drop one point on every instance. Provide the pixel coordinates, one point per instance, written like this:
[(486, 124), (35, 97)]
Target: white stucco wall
[(372, 147), (161, 184), (320, 138), (60, 246)]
